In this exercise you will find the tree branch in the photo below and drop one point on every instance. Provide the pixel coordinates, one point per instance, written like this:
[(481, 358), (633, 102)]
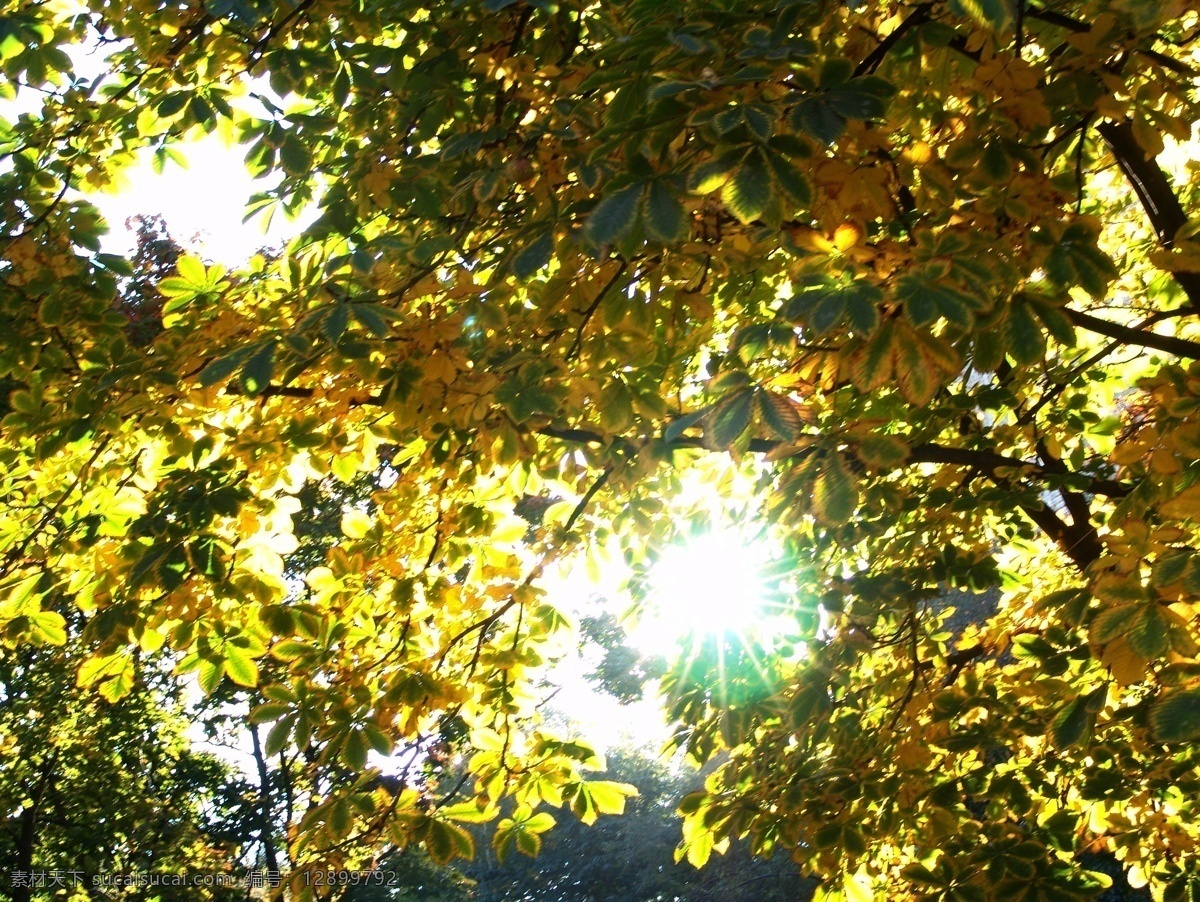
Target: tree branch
[(1169, 344), (260, 46), (593, 307), (1079, 543), (17, 551), (1078, 26), (1154, 190), (45, 214), (872, 60), (926, 453), (1077, 505)]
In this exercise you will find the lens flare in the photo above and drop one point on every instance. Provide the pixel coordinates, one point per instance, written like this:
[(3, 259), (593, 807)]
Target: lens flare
[(710, 584)]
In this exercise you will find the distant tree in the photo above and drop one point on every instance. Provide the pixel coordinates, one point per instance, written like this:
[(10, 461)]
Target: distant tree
[(618, 668), (100, 786), (632, 858), (154, 257)]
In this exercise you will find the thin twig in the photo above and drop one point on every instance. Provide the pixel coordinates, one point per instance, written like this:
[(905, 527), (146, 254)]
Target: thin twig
[(591, 310)]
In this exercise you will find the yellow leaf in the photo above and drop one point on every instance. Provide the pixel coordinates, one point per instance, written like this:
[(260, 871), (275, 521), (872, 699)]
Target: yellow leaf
[(510, 529), (1128, 452), (355, 524), (1126, 665), (345, 467), (846, 236), (857, 889), (698, 849), (1184, 506)]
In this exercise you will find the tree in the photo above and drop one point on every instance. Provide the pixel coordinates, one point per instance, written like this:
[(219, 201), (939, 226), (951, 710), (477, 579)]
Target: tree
[(631, 858), (154, 259), (94, 788), (924, 267)]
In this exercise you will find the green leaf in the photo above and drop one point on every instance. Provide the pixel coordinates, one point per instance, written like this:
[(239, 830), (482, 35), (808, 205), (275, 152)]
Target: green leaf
[(354, 750), (1171, 567), (335, 321), (504, 841), (222, 368), (1113, 622), (665, 218), (1071, 723), (688, 43), (790, 179), (179, 290), (582, 805), (666, 89), (120, 684), (749, 191), (192, 270), (240, 667), (918, 873), (882, 452), (914, 371), (679, 426), (835, 494), (730, 417), (1076, 260), (759, 120), (994, 163), (925, 301), (823, 303), (340, 818), (211, 671), (862, 307), (52, 309), (48, 628), (616, 407), (528, 843), (535, 255), (369, 316), (290, 649), (828, 836), (995, 14), (615, 215), (543, 821), (294, 155), (987, 350), (256, 373), (1026, 341), (608, 797), (1149, 634), (377, 739), (1176, 717), (278, 737), (268, 712), (872, 364), (705, 178), (859, 98), (1056, 322), (172, 104), (780, 414), (816, 116), (727, 120), (207, 557), (470, 813)]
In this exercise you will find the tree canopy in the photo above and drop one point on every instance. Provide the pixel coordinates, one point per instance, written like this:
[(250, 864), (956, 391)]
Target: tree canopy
[(924, 271)]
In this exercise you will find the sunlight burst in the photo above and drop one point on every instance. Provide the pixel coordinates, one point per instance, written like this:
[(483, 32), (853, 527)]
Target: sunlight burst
[(710, 584)]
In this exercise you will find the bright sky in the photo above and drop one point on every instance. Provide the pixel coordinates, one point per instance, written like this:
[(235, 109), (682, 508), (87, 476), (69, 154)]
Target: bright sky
[(203, 205)]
